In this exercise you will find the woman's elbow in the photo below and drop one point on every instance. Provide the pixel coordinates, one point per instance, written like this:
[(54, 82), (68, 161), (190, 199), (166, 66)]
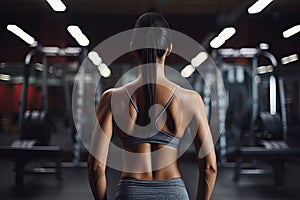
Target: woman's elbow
[(209, 165), (211, 169), (95, 167)]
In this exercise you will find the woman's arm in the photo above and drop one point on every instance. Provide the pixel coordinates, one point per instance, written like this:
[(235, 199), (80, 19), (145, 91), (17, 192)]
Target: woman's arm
[(99, 147), (205, 150)]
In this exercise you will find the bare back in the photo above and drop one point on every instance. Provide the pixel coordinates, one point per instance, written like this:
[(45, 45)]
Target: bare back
[(174, 121)]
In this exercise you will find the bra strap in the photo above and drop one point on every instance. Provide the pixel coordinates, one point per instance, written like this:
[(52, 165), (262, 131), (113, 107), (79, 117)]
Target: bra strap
[(131, 101), (168, 103)]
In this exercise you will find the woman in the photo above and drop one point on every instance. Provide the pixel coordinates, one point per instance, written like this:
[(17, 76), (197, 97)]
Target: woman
[(146, 176)]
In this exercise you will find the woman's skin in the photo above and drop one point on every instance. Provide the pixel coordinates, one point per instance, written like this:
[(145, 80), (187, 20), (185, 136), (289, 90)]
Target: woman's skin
[(192, 114)]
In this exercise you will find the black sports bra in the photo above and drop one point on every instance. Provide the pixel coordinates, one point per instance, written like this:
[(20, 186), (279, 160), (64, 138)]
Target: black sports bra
[(160, 137)]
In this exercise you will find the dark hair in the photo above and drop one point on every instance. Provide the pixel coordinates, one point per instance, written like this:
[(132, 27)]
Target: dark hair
[(159, 38)]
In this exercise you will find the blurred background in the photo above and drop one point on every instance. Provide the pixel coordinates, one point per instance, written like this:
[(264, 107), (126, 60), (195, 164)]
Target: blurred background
[(254, 44)]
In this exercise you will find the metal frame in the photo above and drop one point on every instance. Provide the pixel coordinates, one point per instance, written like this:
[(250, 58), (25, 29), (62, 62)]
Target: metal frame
[(252, 53), (46, 52)]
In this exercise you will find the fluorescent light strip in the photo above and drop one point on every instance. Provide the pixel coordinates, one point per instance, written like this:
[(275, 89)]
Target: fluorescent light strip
[(72, 50), (225, 34), (289, 59), (216, 42), (264, 69), (74, 31), (272, 95), (51, 50), (21, 34), (83, 40), (291, 31), (95, 58), (227, 52), (187, 71), (199, 59), (104, 70), (57, 5), (78, 35), (258, 6), (248, 51), (264, 46), (4, 77)]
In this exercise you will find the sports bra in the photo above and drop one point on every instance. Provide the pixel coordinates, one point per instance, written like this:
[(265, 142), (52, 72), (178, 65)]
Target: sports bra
[(160, 137)]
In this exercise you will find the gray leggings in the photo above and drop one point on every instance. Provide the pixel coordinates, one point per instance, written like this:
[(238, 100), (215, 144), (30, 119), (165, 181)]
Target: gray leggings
[(133, 189)]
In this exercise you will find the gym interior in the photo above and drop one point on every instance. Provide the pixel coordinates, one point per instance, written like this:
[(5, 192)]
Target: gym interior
[(251, 91)]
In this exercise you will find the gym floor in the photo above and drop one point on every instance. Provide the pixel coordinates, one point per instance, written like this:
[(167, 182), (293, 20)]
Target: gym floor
[(75, 184)]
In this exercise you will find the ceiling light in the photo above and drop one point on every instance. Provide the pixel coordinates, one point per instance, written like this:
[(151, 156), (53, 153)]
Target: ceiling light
[(248, 52), (227, 52), (95, 58), (199, 59), (259, 6), (21, 34), (291, 31), (72, 50), (78, 35), (57, 5), (264, 46), (104, 70), (74, 31), (50, 50), (227, 33), (216, 42), (272, 95), (83, 41), (4, 77), (289, 59), (264, 69), (187, 71), (222, 37)]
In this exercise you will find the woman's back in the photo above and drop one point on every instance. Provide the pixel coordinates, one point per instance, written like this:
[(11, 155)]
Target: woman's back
[(155, 145)]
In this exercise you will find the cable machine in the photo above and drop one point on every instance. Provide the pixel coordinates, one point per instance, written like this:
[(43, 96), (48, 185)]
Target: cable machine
[(266, 138), (252, 107), (34, 124)]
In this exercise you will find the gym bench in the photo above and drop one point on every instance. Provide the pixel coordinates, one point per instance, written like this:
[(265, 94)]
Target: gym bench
[(23, 155), (278, 157)]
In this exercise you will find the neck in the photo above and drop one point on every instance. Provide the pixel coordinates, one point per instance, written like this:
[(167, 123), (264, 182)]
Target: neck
[(160, 70)]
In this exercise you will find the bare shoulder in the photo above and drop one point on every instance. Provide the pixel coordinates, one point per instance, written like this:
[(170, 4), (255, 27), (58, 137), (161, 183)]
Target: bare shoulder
[(113, 97), (190, 99), (189, 96), (107, 94)]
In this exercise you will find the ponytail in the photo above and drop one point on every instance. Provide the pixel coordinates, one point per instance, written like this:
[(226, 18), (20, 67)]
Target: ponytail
[(157, 38), (149, 70)]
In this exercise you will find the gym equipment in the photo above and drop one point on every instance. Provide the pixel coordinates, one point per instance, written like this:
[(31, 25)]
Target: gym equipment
[(34, 124), (237, 80), (277, 156), (266, 137), (236, 110), (268, 126), (23, 152), (36, 127)]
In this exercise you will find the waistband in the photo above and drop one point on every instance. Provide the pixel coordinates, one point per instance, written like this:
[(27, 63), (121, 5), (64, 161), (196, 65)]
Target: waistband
[(152, 183)]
